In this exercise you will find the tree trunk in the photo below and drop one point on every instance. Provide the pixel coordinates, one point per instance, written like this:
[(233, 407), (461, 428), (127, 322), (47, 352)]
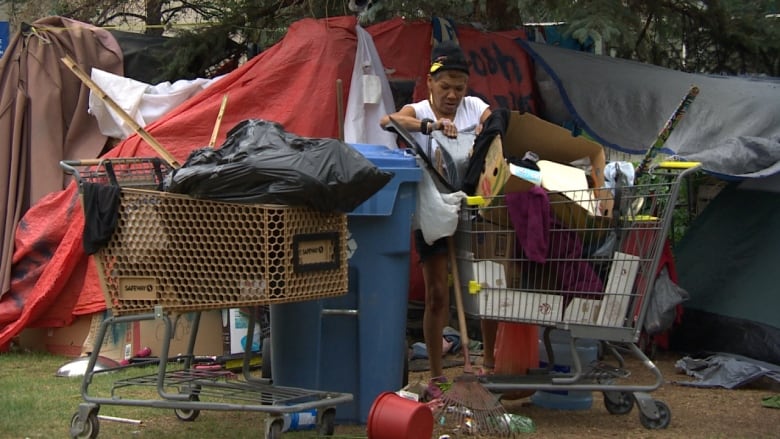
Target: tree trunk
[(501, 15), (154, 17)]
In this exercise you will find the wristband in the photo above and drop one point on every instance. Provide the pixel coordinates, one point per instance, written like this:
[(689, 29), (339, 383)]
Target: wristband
[(424, 126)]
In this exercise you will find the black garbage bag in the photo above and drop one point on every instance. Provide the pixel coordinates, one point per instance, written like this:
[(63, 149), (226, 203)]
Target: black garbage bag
[(260, 162)]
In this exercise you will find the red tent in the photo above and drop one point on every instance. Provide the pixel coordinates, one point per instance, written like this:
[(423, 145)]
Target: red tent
[(293, 83)]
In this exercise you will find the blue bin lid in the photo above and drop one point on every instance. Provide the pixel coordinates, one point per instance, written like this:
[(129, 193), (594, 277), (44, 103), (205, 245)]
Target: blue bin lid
[(406, 174), (385, 157)]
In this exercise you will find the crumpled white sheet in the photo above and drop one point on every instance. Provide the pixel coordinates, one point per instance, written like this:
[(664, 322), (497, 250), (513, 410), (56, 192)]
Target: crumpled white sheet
[(369, 96), (144, 103), (436, 214)]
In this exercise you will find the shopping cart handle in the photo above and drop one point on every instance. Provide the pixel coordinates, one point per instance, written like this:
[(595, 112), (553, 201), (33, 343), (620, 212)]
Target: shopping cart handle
[(674, 164), (475, 200)]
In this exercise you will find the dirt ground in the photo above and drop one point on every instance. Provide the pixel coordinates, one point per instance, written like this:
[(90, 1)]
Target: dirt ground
[(695, 412)]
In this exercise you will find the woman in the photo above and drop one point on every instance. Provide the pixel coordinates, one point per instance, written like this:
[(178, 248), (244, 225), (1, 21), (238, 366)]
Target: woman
[(447, 109)]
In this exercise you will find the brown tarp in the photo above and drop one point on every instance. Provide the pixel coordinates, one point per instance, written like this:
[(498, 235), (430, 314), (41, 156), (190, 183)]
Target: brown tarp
[(43, 115)]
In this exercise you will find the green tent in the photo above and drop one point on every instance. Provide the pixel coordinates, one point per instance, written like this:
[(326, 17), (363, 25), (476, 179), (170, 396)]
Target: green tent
[(728, 262)]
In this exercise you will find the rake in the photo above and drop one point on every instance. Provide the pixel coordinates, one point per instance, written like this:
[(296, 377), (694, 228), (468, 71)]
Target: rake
[(468, 408)]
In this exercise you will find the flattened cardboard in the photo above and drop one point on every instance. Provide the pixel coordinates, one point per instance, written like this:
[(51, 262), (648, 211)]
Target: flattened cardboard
[(584, 311), (619, 290), (522, 306)]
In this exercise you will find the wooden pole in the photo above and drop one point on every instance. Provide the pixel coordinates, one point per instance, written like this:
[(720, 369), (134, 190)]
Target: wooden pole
[(120, 111), (340, 107), (214, 133)]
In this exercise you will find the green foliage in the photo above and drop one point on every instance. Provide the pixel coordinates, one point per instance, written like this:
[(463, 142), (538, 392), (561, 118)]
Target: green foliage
[(713, 36), (35, 403)]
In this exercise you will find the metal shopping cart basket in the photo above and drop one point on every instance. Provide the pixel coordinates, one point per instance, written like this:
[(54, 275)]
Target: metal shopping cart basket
[(170, 254), (553, 259)]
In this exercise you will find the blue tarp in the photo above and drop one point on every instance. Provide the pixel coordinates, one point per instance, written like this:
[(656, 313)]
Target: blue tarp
[(4, 36)]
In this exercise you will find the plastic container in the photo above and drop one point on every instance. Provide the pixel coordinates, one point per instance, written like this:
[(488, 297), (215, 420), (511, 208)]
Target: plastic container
[(394, 417), (515, 352), (297, 421), (356, 343), (565, 400)]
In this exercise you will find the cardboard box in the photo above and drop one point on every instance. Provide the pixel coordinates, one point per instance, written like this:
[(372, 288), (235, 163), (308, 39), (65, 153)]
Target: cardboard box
[(77, 339), (207, 343), (492, 241), (619, 288), (477, 276), (491, 263), (509, 304), (123, 340), (527, 132), (496, 180)]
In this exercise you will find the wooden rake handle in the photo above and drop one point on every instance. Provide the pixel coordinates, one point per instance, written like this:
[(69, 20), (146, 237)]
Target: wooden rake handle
[(464, 338)]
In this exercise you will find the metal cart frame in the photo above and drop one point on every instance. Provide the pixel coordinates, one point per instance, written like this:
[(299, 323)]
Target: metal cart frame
[(182, 251), (619, 252)]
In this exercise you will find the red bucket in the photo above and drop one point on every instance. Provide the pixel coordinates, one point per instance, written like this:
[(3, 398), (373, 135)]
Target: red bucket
[(394, 417)]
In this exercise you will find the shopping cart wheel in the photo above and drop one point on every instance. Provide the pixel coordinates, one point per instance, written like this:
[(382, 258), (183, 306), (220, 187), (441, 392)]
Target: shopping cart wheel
[(88, 429), (188, 415), (661, 422), (618, 403), (275, 430), (327, 423)]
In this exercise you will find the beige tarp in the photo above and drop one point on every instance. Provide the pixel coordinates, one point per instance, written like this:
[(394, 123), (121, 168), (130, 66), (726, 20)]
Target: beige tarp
[(43, 115)]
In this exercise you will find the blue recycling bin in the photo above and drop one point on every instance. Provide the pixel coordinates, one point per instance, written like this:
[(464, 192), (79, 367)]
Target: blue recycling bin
[(356, 343)]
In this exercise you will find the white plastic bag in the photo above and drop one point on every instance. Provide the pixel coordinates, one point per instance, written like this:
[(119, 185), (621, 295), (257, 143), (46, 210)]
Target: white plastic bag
[(436, 213)]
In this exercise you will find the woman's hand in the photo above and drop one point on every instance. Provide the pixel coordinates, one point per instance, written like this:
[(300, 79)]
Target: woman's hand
[(447, 127)]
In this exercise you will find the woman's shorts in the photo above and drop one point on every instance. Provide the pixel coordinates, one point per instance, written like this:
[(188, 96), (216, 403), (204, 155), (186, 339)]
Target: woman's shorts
[(424, 251)]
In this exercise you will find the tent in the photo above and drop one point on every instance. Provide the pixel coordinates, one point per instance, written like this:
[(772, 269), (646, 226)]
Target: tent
[(292, 83), (726, 260)]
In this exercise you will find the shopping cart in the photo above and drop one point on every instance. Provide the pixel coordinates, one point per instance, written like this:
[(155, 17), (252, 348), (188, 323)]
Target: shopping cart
[(554, 259), (171, 254)]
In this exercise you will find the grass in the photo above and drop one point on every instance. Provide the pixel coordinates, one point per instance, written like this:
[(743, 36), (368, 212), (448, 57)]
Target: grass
[(35, 403)]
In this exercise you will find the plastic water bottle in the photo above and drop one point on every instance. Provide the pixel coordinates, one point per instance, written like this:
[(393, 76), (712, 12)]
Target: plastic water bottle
[(305, 420)]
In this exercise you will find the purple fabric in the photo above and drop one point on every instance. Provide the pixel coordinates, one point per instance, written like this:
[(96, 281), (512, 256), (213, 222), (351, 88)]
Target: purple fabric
[(546, 241), (573, 273), (530, 215)]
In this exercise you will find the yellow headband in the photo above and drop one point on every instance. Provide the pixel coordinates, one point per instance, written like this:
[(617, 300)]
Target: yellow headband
[(436, 66)]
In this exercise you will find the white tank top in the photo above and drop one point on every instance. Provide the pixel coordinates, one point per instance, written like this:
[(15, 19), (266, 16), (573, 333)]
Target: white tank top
[(466, 119)]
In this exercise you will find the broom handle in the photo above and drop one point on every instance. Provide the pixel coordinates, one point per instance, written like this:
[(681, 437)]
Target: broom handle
[(666, 131), (464, 338)]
